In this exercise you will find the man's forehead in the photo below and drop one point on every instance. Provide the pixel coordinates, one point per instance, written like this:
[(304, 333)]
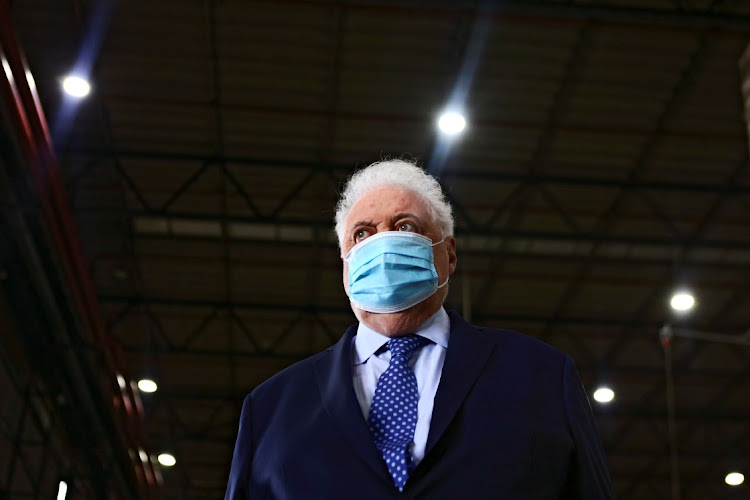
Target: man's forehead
[(388, 201)]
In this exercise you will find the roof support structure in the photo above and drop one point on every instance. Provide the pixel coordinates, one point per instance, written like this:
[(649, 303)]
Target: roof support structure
[(677, 18), (97, 157)]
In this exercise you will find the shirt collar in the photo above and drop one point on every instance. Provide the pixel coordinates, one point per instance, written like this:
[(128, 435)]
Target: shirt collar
[(368, 341)]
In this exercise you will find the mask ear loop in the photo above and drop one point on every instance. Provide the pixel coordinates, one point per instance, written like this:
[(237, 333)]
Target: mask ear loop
[(448, 278)]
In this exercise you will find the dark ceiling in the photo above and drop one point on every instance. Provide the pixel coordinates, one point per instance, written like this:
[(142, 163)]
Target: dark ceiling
[(605, 164)]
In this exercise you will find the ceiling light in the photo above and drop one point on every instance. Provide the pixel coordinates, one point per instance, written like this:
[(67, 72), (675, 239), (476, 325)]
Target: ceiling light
[(682, 301), (76, 86), (451, 123), (604, 395), (62, 490), (167, 460), (734, 478), (147, 385), (121, 381)]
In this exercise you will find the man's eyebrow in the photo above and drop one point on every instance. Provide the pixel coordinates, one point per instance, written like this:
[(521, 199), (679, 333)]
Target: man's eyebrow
[(361, 223), (403, 215), (394, 218)]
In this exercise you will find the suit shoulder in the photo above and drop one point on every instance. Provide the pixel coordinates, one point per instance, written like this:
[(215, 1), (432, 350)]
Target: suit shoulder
[(511, 341), (521, 340), (521, 350)]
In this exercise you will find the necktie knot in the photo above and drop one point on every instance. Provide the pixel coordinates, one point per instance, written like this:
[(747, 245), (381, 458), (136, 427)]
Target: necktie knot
[(404, 347)]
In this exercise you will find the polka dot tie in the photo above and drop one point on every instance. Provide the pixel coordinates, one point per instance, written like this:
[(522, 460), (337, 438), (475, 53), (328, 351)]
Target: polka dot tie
[(393, 413)]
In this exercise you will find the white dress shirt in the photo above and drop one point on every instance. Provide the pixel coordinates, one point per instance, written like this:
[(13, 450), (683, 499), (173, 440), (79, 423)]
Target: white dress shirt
[(369, 361)]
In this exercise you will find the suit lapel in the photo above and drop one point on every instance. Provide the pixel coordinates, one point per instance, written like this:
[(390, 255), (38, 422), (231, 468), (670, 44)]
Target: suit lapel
[(466, 356), (334, 377)]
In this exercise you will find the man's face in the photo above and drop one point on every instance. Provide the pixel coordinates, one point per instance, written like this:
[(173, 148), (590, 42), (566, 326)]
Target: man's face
[(397, 209)]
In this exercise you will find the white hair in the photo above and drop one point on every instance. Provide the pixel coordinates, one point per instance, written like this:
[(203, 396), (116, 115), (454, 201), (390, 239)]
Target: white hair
[(395, 173)]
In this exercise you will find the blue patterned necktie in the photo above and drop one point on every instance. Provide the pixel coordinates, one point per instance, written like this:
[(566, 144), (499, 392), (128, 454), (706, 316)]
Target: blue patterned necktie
[(393, 413)]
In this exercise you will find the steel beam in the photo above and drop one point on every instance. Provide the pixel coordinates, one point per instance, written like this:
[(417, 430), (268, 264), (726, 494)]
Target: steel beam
[(624, 374), (602, 226), (652, 327), (569, 258), (550, 236), (460, 173), (675, 18)]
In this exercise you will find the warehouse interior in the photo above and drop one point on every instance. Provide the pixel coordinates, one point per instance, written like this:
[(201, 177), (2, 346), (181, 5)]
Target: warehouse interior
[(175, 225)]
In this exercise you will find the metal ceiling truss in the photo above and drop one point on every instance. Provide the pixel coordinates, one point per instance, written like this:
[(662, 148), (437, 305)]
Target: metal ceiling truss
[(679, 17), (640, 164), (557, 109), (345, 311), (680, 262), (712, 462), (597, 237), (96, 158), (28, 437)]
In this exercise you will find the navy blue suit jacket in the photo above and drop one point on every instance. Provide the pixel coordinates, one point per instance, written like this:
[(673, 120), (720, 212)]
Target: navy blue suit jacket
[(511, 420)]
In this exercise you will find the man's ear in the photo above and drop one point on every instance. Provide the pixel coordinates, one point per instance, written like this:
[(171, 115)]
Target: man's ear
[(450, 245)]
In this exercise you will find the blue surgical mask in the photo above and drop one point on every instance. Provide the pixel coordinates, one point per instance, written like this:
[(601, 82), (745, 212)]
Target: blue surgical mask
[(392, 271)]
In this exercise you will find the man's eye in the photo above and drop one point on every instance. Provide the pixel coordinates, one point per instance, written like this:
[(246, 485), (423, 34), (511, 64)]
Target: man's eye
[(407, 226), (361, 234)]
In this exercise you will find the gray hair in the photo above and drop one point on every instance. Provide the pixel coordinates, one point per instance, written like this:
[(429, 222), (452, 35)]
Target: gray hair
[(396, 173)]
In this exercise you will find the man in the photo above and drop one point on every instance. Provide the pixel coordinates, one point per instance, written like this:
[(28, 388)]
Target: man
[(414, 402)]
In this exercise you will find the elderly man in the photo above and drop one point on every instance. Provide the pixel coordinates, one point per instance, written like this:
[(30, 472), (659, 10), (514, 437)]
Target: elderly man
[(413, 401)]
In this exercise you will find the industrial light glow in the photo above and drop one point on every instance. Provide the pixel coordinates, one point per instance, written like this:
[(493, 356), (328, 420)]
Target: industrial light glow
[(147, 385), (6, 67), (604, 395), (62, 490), (30, 79), (167, 460), (451, 123), (76, 86), (734, 478), (682, 301)]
